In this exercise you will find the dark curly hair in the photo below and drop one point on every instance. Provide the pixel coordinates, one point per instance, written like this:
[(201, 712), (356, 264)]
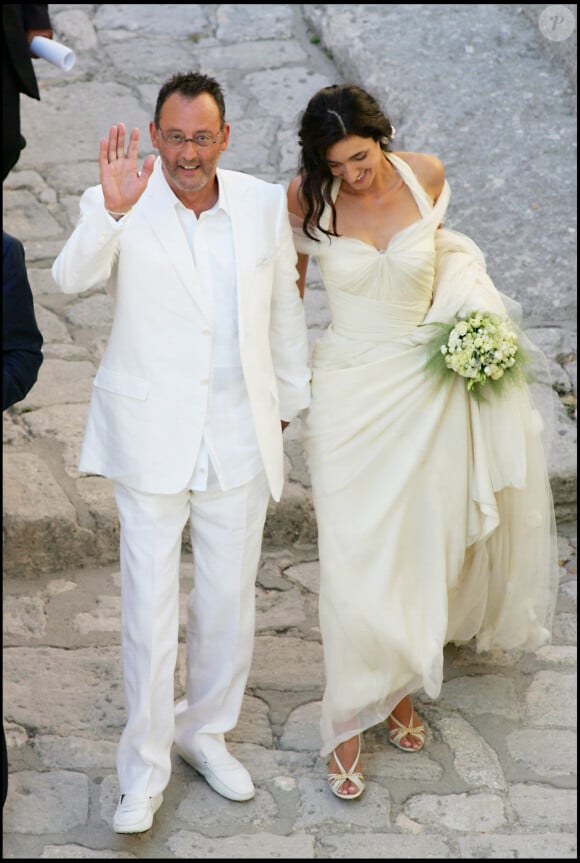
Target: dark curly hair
[(190, 85), (333, 113)]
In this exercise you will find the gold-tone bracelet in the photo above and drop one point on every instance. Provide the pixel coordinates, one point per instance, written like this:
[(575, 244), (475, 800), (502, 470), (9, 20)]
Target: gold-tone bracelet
[(112, 213)]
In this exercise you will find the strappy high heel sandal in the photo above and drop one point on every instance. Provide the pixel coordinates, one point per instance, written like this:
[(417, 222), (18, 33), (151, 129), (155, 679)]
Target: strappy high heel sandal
[(397, 734), (336, 780)]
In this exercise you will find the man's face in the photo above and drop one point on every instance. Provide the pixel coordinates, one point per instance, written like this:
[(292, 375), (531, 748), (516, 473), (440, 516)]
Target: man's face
[(188, 167)]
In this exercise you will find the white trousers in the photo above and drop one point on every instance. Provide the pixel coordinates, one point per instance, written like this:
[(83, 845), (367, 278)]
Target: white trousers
[(226, 537)]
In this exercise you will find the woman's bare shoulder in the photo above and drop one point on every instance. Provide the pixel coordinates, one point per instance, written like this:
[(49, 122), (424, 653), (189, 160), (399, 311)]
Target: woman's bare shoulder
[(429, 170)]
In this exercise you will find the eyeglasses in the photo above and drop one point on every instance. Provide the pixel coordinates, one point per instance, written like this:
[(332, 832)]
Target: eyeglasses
[(201, 141)]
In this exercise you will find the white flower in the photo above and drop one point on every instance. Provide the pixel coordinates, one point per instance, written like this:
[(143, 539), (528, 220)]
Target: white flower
[(480, 347)]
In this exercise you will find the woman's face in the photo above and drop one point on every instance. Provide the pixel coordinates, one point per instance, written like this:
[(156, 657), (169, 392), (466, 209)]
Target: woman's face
[(355, 160)]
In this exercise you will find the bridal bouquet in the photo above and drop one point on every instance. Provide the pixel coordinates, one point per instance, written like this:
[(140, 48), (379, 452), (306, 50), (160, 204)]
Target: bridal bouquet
[(483, 348)]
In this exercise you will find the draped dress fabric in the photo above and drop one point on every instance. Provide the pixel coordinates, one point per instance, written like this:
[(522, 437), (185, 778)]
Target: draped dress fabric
[(435, 516)]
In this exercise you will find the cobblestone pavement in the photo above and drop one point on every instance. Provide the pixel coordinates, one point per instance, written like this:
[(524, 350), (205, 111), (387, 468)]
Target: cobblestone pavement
[(490, 90)]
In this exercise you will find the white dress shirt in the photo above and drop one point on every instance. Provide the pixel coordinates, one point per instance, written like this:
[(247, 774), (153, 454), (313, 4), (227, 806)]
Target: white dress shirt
[(229, 455)]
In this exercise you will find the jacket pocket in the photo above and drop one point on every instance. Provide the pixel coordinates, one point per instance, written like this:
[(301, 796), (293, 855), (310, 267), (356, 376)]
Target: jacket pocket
[(121, 384)]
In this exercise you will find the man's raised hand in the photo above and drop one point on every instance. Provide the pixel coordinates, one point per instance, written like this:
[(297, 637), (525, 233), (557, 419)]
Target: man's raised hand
[(122, 182)]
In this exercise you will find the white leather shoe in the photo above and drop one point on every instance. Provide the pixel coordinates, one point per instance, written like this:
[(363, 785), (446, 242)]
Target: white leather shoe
[(135, 812), (207, 754)]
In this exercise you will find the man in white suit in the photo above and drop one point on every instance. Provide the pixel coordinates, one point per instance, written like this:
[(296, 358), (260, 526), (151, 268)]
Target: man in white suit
[(206, 363)]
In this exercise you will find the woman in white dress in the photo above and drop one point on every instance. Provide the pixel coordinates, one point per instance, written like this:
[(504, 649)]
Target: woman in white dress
[(434, 510)]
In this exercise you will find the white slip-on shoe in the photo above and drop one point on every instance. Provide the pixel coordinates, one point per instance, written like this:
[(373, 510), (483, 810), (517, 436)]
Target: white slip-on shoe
[(135, 812), (207, 754)]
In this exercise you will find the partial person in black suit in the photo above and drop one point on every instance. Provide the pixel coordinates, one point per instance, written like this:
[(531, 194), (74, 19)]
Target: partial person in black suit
[(21, 22), (21, 356), (21, 338)]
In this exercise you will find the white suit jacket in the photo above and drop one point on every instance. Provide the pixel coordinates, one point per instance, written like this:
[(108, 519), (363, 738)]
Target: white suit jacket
[(148, 405)]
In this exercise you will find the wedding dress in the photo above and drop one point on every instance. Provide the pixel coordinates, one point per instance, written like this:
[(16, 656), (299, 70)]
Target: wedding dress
[(434, 511)]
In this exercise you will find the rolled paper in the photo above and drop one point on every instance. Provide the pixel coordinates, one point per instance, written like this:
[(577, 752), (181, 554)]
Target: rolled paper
[(54, 52)]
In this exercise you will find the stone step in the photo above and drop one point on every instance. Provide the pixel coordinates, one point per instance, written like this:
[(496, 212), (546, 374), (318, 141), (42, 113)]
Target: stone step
[(53, 538)]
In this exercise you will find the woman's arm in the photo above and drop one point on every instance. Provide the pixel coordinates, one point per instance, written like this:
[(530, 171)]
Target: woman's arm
[(296, 217)]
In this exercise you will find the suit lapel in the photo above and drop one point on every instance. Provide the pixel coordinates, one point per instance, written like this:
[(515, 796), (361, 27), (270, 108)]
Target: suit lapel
[(242, 207), (160, 213)]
